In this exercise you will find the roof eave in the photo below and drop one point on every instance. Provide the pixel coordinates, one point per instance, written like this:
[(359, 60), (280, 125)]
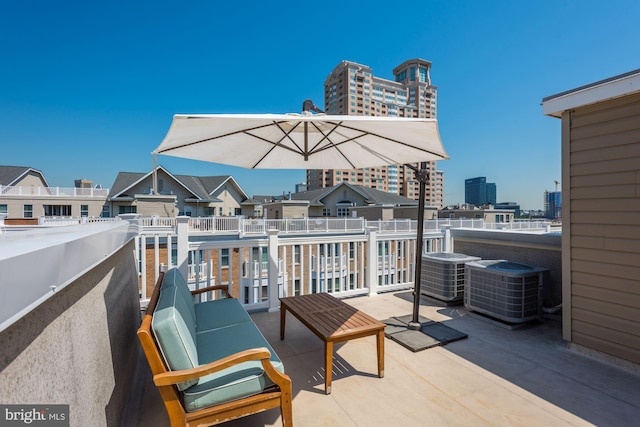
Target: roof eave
[(614, 87)]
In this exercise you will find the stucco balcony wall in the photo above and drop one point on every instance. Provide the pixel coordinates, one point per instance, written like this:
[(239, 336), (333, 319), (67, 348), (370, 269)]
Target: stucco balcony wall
[(79, 346)]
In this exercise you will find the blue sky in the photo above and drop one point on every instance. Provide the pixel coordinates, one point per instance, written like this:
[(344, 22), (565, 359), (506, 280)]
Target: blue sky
[(88, 89)]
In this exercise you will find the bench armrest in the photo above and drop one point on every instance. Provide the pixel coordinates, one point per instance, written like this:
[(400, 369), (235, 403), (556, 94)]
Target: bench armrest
[(224, 289), (174, 377)]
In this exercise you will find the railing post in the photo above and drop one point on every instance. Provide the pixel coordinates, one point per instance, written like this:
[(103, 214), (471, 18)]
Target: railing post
[(182, 230), (274, 286), (447, 242), (371, 275), (197, 263)]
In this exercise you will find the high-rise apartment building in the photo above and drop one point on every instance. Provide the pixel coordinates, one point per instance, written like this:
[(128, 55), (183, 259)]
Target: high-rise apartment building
[(553, 205), (479, 192), (352, 89)]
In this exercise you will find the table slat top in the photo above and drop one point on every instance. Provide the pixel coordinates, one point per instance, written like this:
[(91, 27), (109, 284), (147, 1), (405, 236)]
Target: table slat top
[(330, 317)]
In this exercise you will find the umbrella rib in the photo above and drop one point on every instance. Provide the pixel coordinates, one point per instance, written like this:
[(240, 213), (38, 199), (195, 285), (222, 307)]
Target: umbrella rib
[(278, 143), (362, 133), (382, 137), (286, 135), (332, 144), (200, 141), (245, 131)]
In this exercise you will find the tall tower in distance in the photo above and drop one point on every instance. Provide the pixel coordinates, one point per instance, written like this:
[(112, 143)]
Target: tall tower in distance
[(352, 89), (553, 204), (479, 192)]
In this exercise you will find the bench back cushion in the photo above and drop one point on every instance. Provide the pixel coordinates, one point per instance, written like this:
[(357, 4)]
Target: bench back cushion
[(175, 332), (173, 278)]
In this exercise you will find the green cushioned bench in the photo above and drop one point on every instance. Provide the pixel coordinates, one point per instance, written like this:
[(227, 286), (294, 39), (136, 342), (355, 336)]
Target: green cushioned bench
[(209, 360)]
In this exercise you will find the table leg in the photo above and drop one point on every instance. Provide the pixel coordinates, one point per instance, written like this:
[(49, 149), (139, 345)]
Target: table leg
[(380, 345), (328, 366), (283, 317)]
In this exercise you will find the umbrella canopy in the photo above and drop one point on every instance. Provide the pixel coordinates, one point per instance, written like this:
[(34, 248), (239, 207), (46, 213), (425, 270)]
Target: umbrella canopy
[(302, 141)]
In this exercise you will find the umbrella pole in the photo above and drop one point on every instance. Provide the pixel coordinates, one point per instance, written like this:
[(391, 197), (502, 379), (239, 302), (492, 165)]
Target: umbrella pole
[(423, 178)]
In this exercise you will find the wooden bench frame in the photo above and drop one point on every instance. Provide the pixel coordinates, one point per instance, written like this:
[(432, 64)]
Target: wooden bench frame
[(279, 395)]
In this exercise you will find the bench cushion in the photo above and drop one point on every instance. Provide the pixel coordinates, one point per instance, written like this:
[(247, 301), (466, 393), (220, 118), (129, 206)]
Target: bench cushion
[(175, 332), (220, 313), (242, 380), (173, 278)]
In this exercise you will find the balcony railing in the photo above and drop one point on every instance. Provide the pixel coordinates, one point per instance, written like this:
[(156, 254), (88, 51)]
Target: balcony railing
[(35, 191), (68, 220), (260, 226), (260, 268)]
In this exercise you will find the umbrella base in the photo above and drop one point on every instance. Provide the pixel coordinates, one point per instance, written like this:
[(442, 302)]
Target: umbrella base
[(421, 335)]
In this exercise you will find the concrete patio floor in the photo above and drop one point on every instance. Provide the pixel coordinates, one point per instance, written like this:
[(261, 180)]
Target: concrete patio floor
[(495, 377)]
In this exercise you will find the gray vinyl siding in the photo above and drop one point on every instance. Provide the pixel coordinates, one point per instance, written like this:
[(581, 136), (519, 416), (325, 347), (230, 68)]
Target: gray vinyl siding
[(602, 215)]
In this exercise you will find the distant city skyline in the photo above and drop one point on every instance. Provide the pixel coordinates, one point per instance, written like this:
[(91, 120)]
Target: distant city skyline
[(89, 90)]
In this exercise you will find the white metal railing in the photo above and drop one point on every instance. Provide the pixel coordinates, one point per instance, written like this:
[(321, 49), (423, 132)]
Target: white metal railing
[(61, 220), (35, 191), (517, 225), (380, 259), (323, 262), (157, 221), (216, 224), (301, 226), (260, 226)]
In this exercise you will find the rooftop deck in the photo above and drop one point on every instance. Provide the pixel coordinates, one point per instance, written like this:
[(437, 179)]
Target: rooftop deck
[(495, 377)]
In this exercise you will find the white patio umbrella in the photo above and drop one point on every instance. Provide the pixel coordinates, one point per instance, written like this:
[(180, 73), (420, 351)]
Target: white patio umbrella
[(302, 141), (309, 141)]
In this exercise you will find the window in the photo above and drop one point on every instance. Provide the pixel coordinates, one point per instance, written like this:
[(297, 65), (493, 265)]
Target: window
[(127, 209), (261, 255), (57, 210), (3, 209), (27, 211), (423, 74), (296, 254), (224, 257), (326, 211), (106, 211), (343, 211), (84, 210)]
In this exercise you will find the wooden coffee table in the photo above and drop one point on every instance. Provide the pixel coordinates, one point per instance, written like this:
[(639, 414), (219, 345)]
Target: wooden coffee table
[(332, 321)]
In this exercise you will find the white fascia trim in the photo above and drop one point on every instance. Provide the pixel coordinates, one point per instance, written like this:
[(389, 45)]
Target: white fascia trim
[(627, 85)]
